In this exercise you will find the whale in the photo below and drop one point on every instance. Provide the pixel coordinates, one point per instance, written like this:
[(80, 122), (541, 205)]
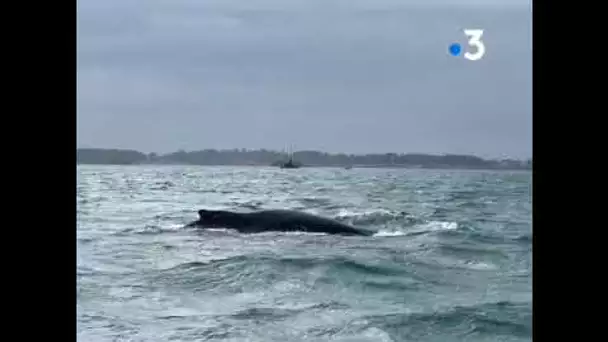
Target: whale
[(273, 221)]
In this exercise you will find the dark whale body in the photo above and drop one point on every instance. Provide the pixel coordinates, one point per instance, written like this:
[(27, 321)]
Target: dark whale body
[(273, 221)]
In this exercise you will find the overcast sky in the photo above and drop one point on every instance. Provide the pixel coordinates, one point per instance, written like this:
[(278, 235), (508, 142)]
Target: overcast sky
[(352, 76)]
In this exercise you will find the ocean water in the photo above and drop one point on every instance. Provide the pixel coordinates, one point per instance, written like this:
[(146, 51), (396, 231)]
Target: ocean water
[(452, 259)]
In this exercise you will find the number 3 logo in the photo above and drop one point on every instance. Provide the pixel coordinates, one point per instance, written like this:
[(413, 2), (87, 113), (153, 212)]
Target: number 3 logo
[(475, 41)]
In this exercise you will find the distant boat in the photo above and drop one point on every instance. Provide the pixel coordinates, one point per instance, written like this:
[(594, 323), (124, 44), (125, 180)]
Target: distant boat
[(348, 167), (290, 164)]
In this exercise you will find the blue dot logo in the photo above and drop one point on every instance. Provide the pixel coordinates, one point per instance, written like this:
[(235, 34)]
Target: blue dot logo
[(455, 49)]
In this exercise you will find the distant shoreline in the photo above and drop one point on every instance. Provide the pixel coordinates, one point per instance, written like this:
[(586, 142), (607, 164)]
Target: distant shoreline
[(243, 157), (388, 167)]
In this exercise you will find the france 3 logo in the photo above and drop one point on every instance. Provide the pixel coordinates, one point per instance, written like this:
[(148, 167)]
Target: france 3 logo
[(476, 48)]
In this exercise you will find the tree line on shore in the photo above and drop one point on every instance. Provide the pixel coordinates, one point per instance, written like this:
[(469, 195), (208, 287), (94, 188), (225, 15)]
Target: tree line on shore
[(263, 157)]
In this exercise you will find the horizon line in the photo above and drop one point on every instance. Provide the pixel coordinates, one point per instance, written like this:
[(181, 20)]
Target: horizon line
[(506, 157)]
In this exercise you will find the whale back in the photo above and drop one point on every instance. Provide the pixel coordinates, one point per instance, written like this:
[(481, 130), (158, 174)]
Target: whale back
[(273, 220), (288, 220)]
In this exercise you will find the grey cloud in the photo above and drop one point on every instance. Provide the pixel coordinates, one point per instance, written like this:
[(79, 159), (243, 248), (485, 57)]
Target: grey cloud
[(358, 76)]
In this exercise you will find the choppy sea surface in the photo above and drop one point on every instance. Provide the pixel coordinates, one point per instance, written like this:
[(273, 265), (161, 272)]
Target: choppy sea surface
[(452, 259)]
